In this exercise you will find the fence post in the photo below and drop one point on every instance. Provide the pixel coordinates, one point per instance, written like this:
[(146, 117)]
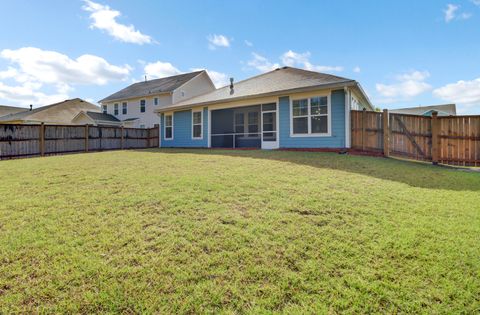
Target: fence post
[(156, 129), (364, 126), (121, 138), (86, 137), (386, 134), (42, 139), (435, 138)]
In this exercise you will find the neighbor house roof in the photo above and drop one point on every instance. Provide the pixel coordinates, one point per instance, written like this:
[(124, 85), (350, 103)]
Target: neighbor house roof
[(157, 86), (60, 113), (6, 110), (282, 80), (443, 110), (101, 116)]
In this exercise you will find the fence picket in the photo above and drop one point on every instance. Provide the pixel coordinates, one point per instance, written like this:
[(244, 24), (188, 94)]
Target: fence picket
[(23, 140)]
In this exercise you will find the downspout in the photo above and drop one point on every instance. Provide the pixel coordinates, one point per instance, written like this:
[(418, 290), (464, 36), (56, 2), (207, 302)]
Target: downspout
[(347, 117)]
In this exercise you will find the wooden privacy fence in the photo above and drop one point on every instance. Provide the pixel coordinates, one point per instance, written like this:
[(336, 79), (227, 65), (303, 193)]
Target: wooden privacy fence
[(18, 140), (453, 140)]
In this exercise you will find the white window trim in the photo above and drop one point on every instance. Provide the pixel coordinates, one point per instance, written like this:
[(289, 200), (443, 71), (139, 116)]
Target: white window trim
[(201, 124), (126, 108), (116, 109), (165, 127), (155, 101), (310, 134), (140, 109)]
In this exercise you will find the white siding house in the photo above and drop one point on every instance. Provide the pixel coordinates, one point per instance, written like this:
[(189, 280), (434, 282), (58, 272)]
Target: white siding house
[(135, 105)]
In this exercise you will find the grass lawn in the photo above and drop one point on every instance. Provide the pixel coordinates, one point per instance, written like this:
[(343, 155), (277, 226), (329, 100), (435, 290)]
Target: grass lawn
[(199, 231)]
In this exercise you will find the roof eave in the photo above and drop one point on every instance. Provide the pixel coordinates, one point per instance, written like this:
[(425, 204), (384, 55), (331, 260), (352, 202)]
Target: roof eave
[(275, 93)]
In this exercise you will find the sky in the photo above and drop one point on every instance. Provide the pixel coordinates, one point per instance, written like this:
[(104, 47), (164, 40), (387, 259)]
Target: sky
[(403, 53)]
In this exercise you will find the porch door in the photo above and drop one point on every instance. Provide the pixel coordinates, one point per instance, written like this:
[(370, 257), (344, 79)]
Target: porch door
[(269, 126)]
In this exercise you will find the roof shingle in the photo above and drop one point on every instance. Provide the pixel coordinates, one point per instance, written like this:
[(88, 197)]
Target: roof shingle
[(156, 86), (282, 79)]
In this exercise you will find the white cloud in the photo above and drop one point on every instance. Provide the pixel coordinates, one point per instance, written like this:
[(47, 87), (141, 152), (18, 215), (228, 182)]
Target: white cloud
[(357, 69), (302, 60), (476, 2), (248, 43), (29, 93), (451, 13), (104, 18), (35, 70), (261, 63), (160, 69), (52, 67), (219, 79), (408, 85), (217, 41), (462, 92), (9, 73)]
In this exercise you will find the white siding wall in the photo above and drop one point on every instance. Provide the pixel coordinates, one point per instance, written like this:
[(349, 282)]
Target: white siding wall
[(199, 85), (148, 118)]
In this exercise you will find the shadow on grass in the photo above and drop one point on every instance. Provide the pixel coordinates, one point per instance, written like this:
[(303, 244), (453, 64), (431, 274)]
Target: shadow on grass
[(415, 174)]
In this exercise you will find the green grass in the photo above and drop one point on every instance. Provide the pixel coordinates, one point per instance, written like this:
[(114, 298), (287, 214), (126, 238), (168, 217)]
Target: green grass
[(198, 231)]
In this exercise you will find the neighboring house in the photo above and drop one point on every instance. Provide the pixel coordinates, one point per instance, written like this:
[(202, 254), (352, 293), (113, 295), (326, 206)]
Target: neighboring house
[(136, 104), (6, 110), (58, 113), (284, 108), (443, 110), (96, 119)]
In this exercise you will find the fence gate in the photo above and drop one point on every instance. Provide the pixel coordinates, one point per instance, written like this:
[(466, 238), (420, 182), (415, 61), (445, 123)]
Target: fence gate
[(410, 136), (453, 140)]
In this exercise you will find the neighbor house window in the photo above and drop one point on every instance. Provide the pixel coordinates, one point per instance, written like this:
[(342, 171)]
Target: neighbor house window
[(253, 124), (197, 125), (155, 101), (104, 109), (142, 106), (310, 116), (115, 109), (124, 108), (168, 127), (142, 126)]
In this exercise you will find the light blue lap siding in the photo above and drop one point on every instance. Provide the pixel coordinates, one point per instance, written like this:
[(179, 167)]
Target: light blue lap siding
[(182, 131), (336, 140)]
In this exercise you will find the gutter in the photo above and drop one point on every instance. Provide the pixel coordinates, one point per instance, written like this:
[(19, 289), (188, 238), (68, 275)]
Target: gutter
[(275, 93)]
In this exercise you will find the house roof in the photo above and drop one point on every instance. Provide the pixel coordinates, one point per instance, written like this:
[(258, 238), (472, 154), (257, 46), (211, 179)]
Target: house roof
[(101, 116), (282, 80), (62, 112), (446, 110), (157, 86), (6, 110)]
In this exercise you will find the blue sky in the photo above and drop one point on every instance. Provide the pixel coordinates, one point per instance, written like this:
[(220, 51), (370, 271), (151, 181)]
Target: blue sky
[(404, 53)]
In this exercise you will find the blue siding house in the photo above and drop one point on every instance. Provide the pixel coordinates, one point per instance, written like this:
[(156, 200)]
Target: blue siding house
[(283, 108)]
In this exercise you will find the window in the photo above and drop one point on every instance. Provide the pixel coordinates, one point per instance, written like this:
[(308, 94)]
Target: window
[(310, 116), (155, 101), (168, 127), (197, 125), (142, 126), (115, 109), (104, 109), (142, 106), (124, 108), (253, 124), (239, 123)]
